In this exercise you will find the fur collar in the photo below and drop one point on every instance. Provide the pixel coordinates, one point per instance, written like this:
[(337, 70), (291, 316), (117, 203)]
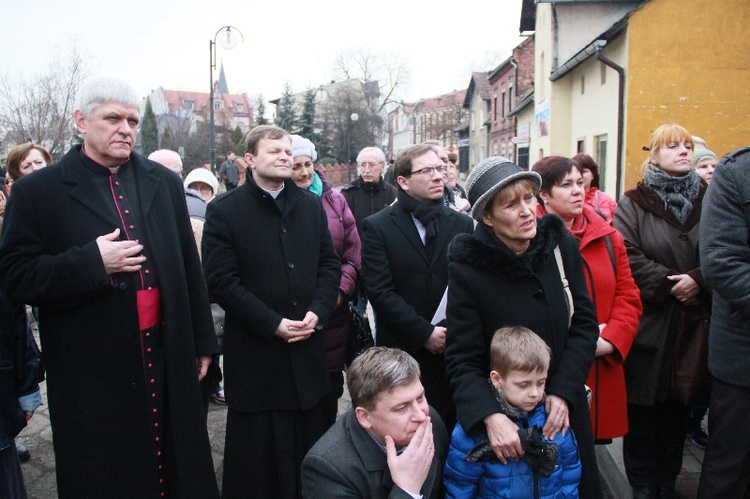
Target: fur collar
[(485, 251)]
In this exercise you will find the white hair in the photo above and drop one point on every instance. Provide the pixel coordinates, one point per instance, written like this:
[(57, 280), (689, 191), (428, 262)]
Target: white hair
[(379, 154), (97, 91)]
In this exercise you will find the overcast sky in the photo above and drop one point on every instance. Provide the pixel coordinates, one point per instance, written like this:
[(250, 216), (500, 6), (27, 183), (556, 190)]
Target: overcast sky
[(153, 43)]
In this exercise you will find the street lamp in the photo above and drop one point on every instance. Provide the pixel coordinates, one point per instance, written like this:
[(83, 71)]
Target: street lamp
[(228, 41), (352, 119)]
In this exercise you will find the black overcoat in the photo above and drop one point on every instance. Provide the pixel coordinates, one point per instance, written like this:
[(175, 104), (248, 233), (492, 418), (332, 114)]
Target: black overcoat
[(405, 288), (89, 328), (263, 264), (489, 288)]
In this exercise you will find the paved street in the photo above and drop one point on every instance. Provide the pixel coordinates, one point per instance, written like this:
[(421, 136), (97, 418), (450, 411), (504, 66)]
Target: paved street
[(39, 472)]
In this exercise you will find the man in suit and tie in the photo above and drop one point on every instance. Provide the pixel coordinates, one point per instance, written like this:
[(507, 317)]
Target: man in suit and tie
[(405, 268), (390, 444)]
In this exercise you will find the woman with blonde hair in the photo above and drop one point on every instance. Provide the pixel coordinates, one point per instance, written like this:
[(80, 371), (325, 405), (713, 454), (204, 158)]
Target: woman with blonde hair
[(659, 220)]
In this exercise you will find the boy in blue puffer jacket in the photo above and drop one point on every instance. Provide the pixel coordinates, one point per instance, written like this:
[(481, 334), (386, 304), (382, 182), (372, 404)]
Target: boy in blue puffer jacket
[(548, 468)]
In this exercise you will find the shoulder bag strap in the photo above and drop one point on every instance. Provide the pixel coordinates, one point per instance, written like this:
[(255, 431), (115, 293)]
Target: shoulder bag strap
[(566, 287)]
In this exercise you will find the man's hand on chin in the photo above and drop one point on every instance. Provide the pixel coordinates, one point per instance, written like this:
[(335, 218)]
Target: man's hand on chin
[(410, 469)]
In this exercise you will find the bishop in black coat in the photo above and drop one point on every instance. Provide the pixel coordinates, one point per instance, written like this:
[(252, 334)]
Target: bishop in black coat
[(106, 392)]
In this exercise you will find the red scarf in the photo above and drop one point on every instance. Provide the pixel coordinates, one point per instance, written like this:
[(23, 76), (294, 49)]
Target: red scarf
[(579, 227)]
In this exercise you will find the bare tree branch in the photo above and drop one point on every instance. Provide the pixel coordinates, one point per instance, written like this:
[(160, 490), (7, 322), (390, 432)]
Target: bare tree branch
[(389, 69), (40, 108)]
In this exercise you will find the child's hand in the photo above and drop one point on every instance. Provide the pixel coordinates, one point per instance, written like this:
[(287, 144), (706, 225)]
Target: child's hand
[(557, 417), (503, 436)]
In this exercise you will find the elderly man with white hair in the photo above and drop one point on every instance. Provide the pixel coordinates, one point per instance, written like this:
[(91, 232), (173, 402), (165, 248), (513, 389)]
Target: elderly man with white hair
[(101, 242)]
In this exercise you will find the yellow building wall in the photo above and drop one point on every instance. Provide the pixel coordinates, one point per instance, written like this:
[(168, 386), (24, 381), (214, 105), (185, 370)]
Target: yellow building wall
[(689, 63)]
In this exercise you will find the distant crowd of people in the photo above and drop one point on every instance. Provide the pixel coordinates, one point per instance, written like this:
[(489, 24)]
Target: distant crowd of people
[(520, 320)]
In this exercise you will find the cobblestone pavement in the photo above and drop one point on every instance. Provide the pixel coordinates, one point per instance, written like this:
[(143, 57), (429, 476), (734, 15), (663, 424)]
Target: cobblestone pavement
[(39, 471)]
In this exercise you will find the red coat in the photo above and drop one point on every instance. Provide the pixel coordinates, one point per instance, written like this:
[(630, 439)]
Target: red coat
[(602, 203), (618, 305)]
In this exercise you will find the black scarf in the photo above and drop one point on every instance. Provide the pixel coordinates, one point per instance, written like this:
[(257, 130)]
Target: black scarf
[(427, 214)]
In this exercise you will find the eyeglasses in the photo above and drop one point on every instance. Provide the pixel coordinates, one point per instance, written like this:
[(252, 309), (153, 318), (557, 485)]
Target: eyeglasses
[(428, 171), (371, 166)]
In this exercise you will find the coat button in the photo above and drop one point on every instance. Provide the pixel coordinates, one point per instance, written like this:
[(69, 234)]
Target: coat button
[(684, 236), (133, 387), (283, 229), (122, 286), (290, 265), (294, 303)]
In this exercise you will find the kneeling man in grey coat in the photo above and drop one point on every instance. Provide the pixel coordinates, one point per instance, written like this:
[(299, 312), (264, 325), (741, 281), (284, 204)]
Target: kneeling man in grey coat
[(391, 444)]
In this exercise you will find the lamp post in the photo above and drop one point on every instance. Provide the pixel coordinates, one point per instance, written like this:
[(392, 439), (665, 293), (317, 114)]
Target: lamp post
[(352, 119), (228, 41)]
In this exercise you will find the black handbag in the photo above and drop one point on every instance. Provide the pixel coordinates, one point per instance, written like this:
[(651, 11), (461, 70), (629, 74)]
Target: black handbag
[(360, 333)]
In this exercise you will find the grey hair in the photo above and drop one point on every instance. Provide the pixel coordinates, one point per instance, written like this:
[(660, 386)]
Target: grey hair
[(97, 91), (379, 154), (378, 370)]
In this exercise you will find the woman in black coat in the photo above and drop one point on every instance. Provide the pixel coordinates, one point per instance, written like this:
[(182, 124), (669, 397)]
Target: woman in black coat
[(506, 274)]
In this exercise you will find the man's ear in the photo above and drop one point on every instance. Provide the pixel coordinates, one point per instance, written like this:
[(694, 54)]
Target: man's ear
[(249, 160), (80, 121), (403, 182), (363, 417)]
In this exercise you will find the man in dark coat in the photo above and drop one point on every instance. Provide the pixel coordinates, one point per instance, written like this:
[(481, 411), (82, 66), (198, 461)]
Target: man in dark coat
[(369, 193), (102, 244), (230, 172), (725, 261), (390, 444), (269, 262), (405, 268)]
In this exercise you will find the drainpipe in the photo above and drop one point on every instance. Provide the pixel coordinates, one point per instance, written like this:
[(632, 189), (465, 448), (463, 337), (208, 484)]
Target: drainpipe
[(620, 116), (554, 36)]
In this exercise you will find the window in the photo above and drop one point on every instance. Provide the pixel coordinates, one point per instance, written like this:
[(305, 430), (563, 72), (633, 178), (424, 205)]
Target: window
[(583, 84), (523, 157), (503, 103), (188, 105), (217, 105), (601, 153), (496, 107), (238, 107), (510, 98), (580, 146)]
